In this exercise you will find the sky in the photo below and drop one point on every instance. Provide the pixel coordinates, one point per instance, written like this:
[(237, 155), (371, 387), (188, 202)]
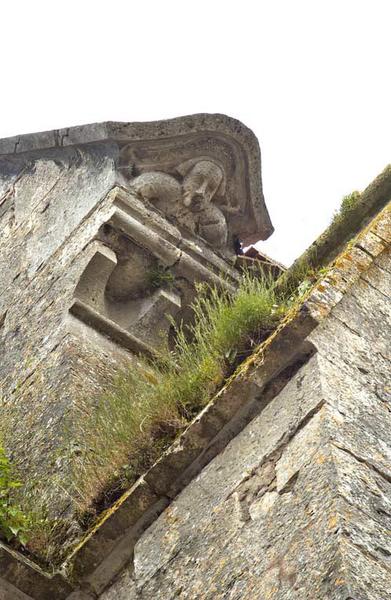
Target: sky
[(311, 78)]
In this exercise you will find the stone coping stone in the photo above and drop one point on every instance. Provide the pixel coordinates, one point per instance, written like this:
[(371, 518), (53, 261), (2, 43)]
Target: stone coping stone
[(211, 127), (29, 578), (332, 241)]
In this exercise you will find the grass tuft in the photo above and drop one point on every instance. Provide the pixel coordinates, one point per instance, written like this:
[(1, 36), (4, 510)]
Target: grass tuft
[(14, 523), (347, 206), (125, 430), (159, 277), (149, 405)]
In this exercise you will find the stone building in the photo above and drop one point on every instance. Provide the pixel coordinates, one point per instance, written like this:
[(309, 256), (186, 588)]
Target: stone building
[(280, 488)]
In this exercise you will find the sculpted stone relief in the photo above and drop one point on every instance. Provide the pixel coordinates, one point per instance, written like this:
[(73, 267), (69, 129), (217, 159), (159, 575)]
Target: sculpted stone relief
[(195, 199), (194, 185), (124, 289)]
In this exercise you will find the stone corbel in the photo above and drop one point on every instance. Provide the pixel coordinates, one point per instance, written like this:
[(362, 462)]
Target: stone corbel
[(141, 276)]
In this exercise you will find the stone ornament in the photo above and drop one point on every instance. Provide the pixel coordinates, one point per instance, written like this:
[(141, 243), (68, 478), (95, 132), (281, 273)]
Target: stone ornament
[(136, 279), (142, 211), (190, 202), (178, 148), (203, 172)]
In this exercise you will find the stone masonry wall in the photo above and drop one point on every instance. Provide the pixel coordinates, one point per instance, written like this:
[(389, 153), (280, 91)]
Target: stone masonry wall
[(85, 242), (298, 505), (52, 204)]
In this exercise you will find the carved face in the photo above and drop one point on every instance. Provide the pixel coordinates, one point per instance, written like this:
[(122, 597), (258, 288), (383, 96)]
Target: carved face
[(201, 183)]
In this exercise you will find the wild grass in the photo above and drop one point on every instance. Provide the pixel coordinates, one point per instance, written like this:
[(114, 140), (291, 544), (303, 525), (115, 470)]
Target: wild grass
[(307, 267), (148, 405), (120, 434), (124, 431), (14, 524), (347, 206), (159, 276)]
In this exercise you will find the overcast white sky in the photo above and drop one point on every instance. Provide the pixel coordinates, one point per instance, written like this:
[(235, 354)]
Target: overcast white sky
[(310, 77)]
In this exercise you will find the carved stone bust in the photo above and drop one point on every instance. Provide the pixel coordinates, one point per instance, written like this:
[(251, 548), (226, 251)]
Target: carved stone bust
[(203, 173), (189, 200), (157, 206)]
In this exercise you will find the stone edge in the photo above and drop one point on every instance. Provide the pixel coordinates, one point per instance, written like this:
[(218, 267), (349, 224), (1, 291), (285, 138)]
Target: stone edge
[(333, 240), (126, 131)]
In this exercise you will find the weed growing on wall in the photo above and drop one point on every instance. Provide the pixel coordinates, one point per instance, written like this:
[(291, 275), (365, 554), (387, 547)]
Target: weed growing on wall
[(158, 277), (148, 406), (307, 267), (13, 523), (123, 432), (347, 206)]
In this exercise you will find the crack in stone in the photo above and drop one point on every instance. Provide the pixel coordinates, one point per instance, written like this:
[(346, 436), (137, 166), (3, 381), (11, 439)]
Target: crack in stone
[(367, 281), (367, 252), (367, 553), (384, 356), (65, 135), (362, 460), (348, 327), (275, 454), (11, 189), (49, 191)]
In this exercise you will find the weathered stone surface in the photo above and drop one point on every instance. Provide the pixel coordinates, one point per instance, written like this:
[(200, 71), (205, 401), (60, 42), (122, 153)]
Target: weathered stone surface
[(298, 505), (127, 512), (300, 450), (83, 255), (162, 146), (220, 479), (21, 573), (229, 554), (9, 592)]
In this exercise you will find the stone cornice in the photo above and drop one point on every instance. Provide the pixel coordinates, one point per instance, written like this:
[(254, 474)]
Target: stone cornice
[(159, 145)]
